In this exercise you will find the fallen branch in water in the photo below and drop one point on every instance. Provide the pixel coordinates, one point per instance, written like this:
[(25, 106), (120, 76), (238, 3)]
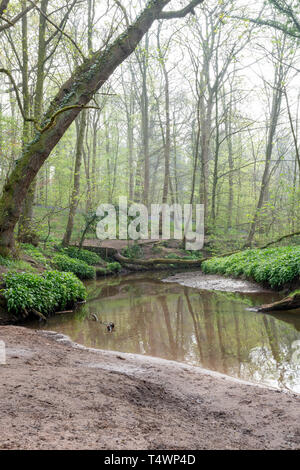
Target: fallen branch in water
[(288, 303), (38, 314)]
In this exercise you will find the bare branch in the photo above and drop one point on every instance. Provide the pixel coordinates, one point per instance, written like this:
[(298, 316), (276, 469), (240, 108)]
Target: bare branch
[(123, 11), (58, 28), (7, 72), (13, 21), (271, 23), (168, 15)]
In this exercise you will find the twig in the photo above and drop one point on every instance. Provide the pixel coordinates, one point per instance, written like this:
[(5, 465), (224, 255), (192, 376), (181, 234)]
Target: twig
[(59, 29)]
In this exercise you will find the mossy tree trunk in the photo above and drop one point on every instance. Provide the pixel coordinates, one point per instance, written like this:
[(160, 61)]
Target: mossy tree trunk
[(74, 94)]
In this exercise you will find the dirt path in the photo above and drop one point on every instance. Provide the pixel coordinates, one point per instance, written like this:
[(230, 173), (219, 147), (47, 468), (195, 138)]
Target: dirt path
[(54, 395)]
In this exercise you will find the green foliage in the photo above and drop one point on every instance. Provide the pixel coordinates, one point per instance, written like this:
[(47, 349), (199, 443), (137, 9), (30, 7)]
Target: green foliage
[(114, 267), (5, 261), (295, 292), (172, 256), (193, 254), (35, 253), (84, 255), (15, 264), (78, 267), (132, 251), (101, 272), (156, 249), (188, 255), (273, 266), (58, 219), (52, 291)]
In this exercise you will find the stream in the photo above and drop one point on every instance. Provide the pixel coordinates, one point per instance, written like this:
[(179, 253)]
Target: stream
[(213, 329)]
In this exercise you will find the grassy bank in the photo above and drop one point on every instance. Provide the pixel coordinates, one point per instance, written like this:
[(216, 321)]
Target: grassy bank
[(275, 267), (47, 279)]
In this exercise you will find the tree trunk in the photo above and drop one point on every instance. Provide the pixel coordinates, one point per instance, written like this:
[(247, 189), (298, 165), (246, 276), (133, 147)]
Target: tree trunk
[(280, 75), (26, 231), (145, 122), (76, 186), (75, 93)]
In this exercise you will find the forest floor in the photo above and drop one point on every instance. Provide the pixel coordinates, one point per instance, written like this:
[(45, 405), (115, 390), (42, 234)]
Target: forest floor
[(56, 395)]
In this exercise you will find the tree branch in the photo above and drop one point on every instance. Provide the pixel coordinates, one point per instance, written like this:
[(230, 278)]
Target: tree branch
[(119, 4), (52, 119), (168, 15), (14, 20), (3, 6), (271, 23), (58, 28), (7, 72)]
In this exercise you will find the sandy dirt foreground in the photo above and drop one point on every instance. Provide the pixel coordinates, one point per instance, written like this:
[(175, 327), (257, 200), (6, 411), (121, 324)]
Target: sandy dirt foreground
[(55, 395)]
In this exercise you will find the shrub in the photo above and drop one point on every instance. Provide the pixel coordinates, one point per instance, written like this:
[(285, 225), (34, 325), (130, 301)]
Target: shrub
[(101, 271), (84, 255), (52, 291), (273, 266), (114, 267), (132, 251), (80, 268)]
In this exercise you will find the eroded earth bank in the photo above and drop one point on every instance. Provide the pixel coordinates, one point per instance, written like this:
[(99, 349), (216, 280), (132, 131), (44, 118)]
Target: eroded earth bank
[(54, 395)]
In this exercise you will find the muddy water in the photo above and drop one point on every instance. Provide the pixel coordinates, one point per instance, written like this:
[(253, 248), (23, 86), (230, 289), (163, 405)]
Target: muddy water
[(213, 329)]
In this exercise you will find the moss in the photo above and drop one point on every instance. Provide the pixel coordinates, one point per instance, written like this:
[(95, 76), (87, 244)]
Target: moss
[(295, 292)]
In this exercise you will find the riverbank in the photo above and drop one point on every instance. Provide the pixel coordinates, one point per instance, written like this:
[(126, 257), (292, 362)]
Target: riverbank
[(199, 280), (55, 395)]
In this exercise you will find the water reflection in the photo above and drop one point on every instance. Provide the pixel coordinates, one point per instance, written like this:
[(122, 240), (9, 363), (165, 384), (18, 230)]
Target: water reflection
[(211, 329)]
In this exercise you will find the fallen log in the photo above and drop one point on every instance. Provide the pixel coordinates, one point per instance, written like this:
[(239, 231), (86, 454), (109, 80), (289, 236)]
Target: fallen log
[(288, 303), (152, 261), (64, 311)]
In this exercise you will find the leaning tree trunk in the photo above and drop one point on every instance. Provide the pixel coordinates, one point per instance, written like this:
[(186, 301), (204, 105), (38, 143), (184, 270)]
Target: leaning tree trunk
[(69, 101), (74, 94)]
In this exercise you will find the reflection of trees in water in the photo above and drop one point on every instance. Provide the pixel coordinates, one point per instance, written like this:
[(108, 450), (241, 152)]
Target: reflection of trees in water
[(172, 344), (181, 323), (197, 328), (220, 328), (274, 363), (236, 318)]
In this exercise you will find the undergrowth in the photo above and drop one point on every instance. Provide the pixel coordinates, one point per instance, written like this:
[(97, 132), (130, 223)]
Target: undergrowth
[(87, 256), (272, 266), (73, 265), (47, 293)]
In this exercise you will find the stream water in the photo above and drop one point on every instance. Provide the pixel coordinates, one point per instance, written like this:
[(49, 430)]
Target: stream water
[(212, 329)]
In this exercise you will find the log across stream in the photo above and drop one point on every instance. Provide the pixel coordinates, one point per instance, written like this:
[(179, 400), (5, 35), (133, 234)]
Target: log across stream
[(211, 328)]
